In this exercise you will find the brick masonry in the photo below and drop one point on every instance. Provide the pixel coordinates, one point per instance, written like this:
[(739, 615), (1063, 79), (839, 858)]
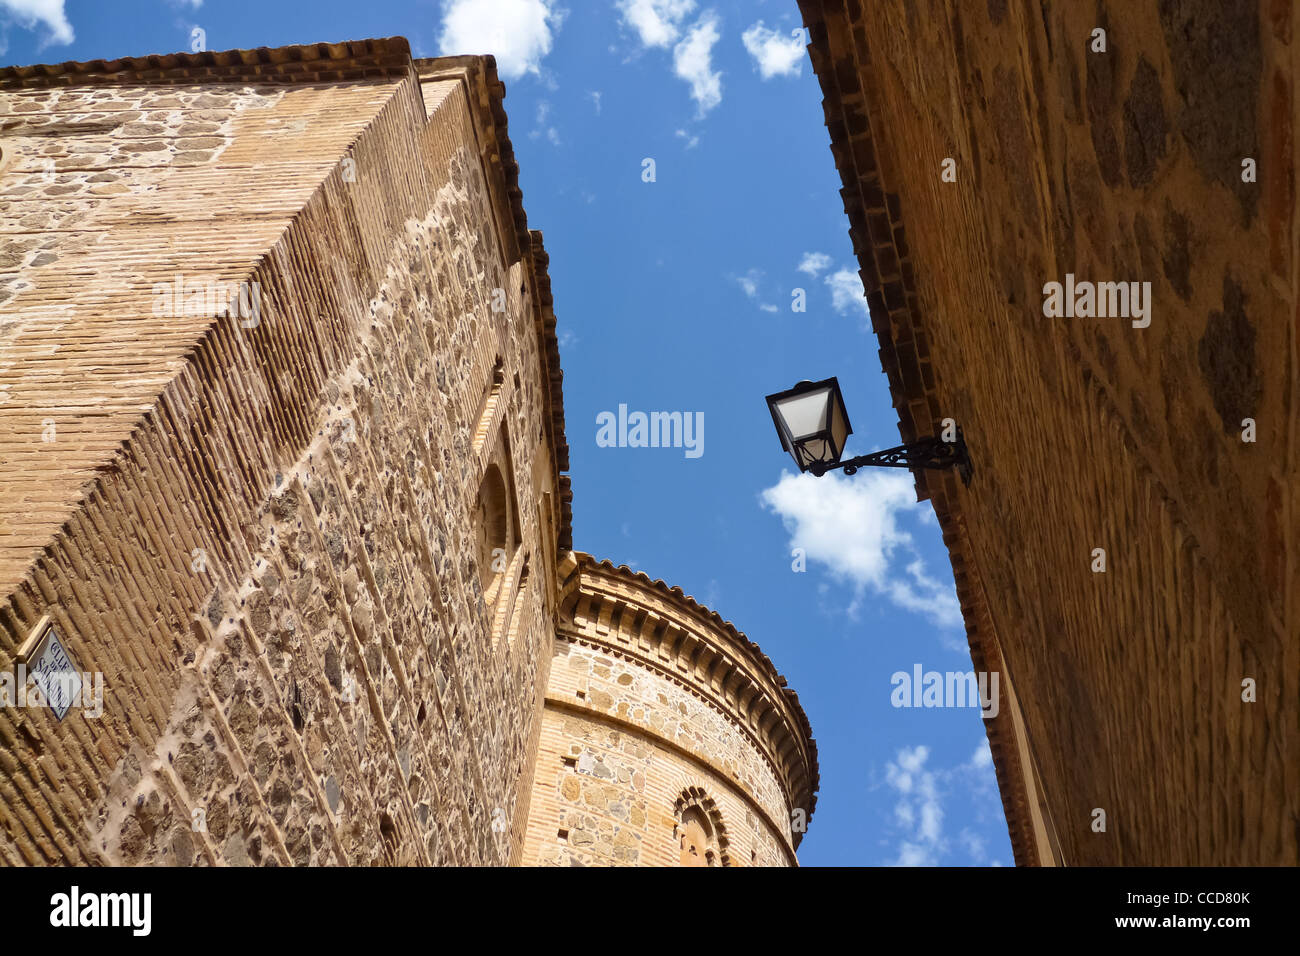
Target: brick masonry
[(1087, 432), (263, 537), (277, 537), (653, 702)]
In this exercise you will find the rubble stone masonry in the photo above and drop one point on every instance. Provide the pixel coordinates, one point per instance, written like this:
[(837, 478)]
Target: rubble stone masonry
[(264, 536), (656, 706), (319, 549)]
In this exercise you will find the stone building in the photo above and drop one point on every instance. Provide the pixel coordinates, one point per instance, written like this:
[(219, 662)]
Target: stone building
[(282, 461), (1126, 556), (667, 737)]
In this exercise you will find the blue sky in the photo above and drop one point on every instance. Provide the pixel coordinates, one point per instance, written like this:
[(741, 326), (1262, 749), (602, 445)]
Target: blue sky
[(676, 295)]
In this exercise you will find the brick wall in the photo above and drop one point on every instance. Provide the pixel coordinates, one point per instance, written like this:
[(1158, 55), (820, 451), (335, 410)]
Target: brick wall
[(264, 537), (1087, 432), (652, 701)]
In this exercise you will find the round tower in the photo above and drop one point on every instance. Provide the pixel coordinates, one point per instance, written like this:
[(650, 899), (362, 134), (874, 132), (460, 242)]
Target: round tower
[(667, 738)]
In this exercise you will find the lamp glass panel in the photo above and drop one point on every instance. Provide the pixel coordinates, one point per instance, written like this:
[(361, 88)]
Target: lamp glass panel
[(815, 449), (805, 414), (839, 425)]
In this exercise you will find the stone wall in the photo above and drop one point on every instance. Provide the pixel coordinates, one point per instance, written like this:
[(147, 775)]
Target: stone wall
[(1122, 165), (264, 537), (651, 704)]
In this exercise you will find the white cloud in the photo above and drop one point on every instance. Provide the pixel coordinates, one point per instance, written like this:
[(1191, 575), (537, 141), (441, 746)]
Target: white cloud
[(912, 855), (918, 819), (693, 62), (749, 284), (543, 128), (814, 263), (516, 32), (774, 54), (656, 22), (851, 526), (691, 140), (595, 98), (973, 843), (846, 293), (661, 24), (29, 14), (918, 814)]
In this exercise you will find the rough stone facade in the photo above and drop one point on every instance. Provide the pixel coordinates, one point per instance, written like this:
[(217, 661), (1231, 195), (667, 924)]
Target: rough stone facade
[(654, 706), (314, 552), (1089, 433), (263, 537)]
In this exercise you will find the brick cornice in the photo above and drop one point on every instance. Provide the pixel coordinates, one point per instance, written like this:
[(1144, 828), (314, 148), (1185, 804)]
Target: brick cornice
[(664, 628), (486, 95), (838, 48), (307, 63)]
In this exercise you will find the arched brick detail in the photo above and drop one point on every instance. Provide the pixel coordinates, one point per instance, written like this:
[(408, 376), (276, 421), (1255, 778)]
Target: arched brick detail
[(696, 796)]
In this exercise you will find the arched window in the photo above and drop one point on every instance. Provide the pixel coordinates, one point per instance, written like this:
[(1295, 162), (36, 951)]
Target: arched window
[(502, 563), (696, 838), (519, 608), (701, 835), (492, 523)]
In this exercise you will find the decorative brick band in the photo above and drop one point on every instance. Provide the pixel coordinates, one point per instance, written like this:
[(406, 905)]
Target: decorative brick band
[(635, 617)]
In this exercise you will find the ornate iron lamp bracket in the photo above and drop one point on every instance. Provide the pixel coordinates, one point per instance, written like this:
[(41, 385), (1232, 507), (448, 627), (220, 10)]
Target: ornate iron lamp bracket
[(933, 453)]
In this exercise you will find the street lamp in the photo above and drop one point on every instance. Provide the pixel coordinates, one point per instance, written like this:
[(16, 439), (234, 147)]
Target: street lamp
[(814, 425)]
